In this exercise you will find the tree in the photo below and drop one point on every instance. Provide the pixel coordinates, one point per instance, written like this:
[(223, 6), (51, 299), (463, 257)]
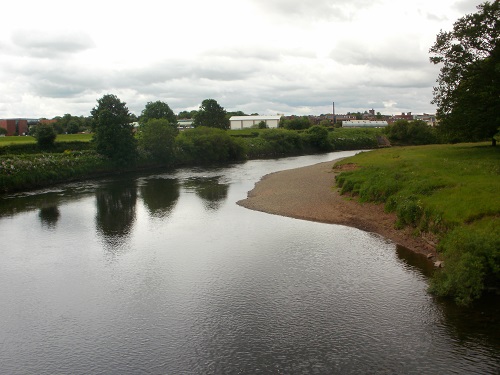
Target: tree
[(403, 132), (73, 127), (468, 90), (113, 132), (156, 140), (211, 115), (297, 123), (45, 136), (187, 114), (158, 110)]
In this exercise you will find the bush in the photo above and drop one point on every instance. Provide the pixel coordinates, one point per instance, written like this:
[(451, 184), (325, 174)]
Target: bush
[(297, 123), (156, 139), (283, 142), (3, 131), (205, 145), (45, 136), (317, 138), (472, 261)]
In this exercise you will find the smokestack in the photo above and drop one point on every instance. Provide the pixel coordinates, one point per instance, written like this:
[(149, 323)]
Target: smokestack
[(333, 113)]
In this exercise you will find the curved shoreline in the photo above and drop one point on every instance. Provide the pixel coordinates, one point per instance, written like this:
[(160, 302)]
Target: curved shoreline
[(309, 193)]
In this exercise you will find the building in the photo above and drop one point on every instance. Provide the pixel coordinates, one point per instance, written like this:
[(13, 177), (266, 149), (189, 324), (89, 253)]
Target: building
[(403, 116), (429, 119), (364, 124), (185, 124), (16, 126), (246, 122)]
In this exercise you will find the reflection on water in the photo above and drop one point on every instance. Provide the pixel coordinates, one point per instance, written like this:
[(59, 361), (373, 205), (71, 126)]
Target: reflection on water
[(209, 189), (468, 325), (49, 216), (115, 203), (415, 261), (160, 196)]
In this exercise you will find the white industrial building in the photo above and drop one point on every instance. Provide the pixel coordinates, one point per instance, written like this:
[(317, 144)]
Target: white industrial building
[(364, 124), (245, 122)]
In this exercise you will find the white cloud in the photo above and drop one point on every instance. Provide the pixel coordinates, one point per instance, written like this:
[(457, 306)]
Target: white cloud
[(264, 56)]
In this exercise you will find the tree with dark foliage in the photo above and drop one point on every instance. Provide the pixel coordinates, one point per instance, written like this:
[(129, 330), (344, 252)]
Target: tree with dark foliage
[(113, 131), (468, 86)]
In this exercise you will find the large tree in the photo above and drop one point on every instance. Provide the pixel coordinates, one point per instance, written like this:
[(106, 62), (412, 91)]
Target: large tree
[(113, 131), (468, 86), (212, 115), (158, 110)]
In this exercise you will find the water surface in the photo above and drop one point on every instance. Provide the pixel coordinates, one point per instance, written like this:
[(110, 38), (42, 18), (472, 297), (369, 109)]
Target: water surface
[(163, 273)]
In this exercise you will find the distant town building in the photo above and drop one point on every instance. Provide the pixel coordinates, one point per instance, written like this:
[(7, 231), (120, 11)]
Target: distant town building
[(364, 124), (403, 116), (429, 119), (245, 122), (185, 123), (17, 126)]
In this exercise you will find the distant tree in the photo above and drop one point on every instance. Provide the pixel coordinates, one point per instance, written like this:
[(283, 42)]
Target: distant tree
[(184, 115), (235, 113), (45, 136), (262, 125), (211, 115), (3, 131), (73, 127), (187, 114), (158, 110), (468, 90), (403, 132), (297, 123), (156, 140), (113, 132)]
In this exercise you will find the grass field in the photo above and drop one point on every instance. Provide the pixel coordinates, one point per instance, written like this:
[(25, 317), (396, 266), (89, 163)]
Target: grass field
[(450, 190), (6, 141)]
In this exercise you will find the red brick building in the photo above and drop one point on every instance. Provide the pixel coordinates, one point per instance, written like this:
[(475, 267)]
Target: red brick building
[(15, 126)]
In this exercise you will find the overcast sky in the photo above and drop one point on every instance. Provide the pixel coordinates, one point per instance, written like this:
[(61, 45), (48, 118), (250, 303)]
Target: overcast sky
[(264, 56)]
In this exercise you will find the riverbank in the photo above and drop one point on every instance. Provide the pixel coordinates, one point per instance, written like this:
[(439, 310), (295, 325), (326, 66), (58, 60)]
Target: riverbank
[(308, 193)]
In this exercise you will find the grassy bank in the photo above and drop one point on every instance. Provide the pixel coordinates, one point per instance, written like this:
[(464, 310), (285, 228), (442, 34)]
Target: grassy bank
[(451, 191)]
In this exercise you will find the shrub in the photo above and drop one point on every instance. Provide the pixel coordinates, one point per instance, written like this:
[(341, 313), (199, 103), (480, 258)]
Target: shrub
[(297, 123), (45, 136), (156, 140), (472, 261), (283, 142), (206, 145), (317, 138)]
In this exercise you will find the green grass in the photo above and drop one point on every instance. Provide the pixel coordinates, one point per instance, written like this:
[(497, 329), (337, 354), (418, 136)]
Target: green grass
[(15, 140), (450, 190), (74, 137)]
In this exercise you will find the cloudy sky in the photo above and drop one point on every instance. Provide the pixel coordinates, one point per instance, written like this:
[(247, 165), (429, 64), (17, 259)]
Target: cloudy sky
[(264, 56)]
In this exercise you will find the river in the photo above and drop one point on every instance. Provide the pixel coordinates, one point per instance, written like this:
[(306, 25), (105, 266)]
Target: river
[(162, 273)]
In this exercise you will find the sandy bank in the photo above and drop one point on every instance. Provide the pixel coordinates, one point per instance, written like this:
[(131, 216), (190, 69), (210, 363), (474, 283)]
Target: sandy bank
[(308, 193)]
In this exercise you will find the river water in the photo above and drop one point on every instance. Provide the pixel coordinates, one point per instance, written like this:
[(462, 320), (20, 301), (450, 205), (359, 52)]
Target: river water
[(163, 273)]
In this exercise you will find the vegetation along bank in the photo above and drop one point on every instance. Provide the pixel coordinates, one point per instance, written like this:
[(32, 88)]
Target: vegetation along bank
[(446, 193)]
